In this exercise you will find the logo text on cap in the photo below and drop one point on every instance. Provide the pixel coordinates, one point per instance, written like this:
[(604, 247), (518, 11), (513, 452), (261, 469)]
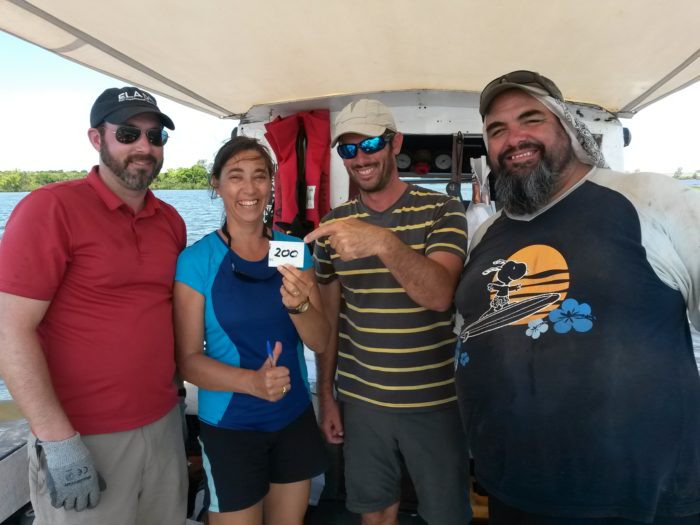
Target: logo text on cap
[(137, 95)]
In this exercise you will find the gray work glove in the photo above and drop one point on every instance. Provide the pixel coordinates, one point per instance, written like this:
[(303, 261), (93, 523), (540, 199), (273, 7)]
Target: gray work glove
[(72, 480)]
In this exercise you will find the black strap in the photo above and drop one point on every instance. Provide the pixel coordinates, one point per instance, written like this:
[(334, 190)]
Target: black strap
[(301, 170), (267, 233), (454, 186)]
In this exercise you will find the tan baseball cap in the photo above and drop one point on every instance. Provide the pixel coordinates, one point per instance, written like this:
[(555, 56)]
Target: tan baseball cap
[(367, 117)]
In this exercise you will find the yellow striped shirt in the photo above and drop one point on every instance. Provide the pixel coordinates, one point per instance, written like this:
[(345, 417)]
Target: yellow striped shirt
[(392, 352)]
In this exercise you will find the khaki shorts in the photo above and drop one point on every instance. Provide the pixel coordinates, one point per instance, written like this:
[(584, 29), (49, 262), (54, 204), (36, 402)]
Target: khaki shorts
[(145, 472)]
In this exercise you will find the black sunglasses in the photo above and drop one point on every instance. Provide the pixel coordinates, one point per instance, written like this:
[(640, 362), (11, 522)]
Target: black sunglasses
[(368, 146), (265, 275), (130, 134)]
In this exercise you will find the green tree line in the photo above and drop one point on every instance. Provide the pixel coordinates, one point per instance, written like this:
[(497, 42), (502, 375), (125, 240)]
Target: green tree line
[(680, 174), (194, 177)]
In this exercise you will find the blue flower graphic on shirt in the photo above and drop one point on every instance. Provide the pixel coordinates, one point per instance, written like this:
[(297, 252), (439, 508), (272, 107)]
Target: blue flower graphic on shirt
[(570, 315), (536, 328), (461, 358)]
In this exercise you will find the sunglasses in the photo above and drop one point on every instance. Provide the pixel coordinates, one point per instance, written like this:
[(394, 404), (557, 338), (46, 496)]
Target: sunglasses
[(130, 134), (264, 275), (368, 146)]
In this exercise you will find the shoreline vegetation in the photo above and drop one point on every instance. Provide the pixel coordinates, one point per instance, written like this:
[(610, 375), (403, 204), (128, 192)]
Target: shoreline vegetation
[(193, 178)]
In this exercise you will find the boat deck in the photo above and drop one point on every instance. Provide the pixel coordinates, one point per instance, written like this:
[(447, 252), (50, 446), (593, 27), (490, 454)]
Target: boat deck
[(13, 456), (330, 512)]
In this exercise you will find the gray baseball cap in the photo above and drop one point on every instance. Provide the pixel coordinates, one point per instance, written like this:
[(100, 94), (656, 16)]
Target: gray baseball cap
[(523, 79)]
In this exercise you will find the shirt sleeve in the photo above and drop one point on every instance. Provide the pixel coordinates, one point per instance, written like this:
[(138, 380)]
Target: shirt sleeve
[(36, 247), (679, 210), (449, 230), (669, 214), (191, 268)]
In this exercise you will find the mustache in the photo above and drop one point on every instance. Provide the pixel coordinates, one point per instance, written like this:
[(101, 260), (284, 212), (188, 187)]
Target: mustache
[(137, 157), (360, 165), (522, 146)]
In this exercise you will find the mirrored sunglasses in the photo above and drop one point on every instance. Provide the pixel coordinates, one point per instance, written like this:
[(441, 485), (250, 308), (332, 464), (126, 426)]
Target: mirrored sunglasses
[(130, 134), (368, 146)]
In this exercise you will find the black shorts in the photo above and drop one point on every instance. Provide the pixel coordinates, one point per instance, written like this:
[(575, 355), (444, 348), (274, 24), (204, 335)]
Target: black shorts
[(241, 464)]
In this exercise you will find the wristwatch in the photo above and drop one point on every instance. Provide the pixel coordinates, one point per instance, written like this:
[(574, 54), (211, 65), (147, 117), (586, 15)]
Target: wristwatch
[(300, 308)]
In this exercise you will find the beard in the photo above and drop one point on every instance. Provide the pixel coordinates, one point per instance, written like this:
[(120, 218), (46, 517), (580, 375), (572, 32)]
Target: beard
[(386, 169), (133, 178), (523, 190)]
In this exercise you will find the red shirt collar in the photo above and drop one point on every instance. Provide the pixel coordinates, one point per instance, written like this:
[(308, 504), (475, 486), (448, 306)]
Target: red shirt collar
[(113, 201)]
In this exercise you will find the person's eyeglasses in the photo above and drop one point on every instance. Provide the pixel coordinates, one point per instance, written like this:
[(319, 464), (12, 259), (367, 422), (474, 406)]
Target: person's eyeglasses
[(368, 146), (130, 134)]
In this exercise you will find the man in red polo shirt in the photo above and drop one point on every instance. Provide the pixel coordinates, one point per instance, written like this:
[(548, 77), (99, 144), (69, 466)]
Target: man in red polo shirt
[(86, 335)]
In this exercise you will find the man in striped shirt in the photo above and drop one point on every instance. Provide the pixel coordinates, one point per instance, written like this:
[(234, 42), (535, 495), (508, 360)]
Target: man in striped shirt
[(388, 262)]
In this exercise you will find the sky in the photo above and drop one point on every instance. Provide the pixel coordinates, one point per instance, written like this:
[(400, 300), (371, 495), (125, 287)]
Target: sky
[(45, 104)]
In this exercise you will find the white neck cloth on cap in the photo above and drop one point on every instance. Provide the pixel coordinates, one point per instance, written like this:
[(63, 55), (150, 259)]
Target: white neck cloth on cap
[(582, 141)]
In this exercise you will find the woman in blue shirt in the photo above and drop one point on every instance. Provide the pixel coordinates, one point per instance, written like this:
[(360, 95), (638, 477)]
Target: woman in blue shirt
[(240, 326)]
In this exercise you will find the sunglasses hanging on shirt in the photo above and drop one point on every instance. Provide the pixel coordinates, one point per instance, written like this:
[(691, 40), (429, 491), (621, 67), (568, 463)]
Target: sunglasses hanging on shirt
[(252, 273)]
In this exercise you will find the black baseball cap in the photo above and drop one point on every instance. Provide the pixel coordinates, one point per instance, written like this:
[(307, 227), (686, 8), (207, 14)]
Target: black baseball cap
[(522, 79), (116, 105)]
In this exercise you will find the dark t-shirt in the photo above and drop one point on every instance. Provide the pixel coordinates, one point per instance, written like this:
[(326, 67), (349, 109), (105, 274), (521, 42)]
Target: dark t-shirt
[(575, 376)]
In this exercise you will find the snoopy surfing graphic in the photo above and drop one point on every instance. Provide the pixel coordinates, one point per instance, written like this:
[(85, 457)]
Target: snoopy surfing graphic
[(530, 288)]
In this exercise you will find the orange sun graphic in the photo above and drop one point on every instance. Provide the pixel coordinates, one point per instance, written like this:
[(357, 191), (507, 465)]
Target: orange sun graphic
[(547, 272)]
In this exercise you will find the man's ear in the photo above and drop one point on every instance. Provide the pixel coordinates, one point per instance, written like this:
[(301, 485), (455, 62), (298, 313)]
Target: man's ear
[(95, 138), (396, 143)]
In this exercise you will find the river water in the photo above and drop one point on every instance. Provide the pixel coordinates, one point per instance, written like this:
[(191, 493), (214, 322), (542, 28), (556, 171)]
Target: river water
[(201, 213)]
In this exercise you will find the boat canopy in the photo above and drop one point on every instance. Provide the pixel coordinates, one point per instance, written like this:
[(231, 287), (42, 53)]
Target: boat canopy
[(226, 57)]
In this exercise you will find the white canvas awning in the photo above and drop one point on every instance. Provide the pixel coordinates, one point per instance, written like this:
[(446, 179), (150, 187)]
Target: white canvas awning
[(228, 56)]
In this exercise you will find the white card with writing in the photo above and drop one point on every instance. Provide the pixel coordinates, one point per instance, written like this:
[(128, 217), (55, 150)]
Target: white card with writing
[(286, 252)]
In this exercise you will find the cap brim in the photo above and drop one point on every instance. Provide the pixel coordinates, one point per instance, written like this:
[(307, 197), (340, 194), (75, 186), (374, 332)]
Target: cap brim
[(486, 100), (122, 115), (368, 130)]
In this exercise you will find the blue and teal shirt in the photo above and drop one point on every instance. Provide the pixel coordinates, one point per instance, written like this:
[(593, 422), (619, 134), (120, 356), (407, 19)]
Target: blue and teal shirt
[(243, 310)]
